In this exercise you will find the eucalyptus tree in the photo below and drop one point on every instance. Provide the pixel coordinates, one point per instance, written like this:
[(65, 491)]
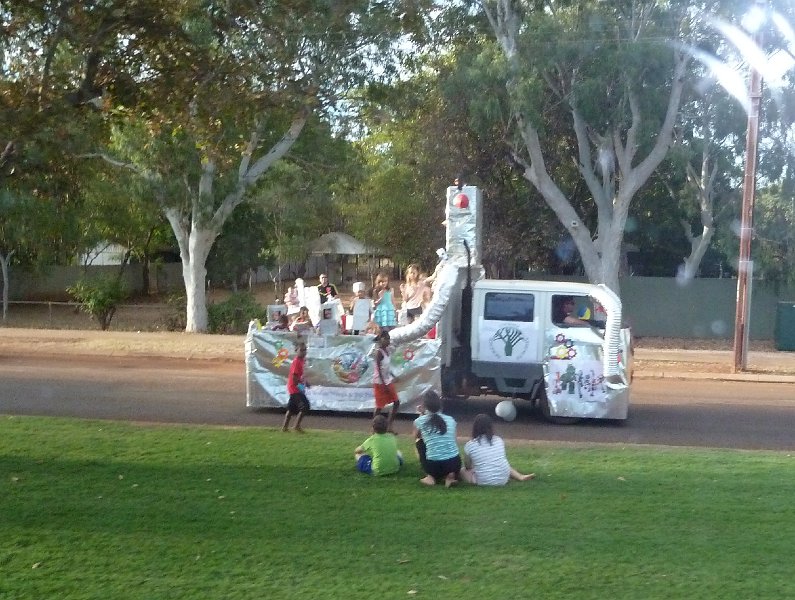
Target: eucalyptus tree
[(760, 38), (615, 72), (703, 172), (60, 62), (118, 208), (230, 97), (295, 201), (424, 132)]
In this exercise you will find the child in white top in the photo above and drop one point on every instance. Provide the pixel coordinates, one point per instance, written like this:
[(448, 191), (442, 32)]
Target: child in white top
[(411, 292), (328, 325), (485, 462), (384, 381), (360, 309)]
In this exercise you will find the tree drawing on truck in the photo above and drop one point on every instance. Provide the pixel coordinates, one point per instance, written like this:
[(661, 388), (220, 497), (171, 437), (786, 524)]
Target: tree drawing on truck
[(510, 337)]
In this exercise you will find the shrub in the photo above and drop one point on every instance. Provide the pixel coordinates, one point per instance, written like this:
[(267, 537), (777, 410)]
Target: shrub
[(99, 297), (177, 318), (233, 314)]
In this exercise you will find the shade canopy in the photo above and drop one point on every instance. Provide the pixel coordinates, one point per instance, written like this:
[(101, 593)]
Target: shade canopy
[(339, 243)]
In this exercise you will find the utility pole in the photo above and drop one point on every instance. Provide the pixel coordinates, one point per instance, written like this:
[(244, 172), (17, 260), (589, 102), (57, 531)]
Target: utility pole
[(745, 266)]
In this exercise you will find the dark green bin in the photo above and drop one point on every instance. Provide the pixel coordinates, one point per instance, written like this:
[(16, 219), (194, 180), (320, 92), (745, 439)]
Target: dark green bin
[(785, 326)]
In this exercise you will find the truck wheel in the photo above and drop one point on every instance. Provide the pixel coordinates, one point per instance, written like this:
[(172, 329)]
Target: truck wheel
[(543, 406)]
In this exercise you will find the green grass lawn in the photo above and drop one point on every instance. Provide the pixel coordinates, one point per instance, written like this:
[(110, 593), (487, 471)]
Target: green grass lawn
[(110, 510)]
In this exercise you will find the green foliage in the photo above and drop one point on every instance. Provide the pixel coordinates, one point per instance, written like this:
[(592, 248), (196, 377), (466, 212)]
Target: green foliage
[(447, 120), (239, 247), (61, 67), (99, 297), (176, 319), (211, 513), (774, 242), (232, 316), (299, 195)]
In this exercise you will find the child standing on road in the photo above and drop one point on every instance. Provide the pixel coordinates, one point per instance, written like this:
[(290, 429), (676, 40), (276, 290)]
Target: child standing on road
[(298, 404), (378, 454), (383, 380)]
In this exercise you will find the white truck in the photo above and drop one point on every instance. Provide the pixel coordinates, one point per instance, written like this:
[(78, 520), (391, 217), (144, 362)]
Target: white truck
[(507, 338)]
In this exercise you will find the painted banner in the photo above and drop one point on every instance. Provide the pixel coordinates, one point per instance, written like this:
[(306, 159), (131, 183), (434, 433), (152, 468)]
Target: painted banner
[(575, 381), (338, 368)]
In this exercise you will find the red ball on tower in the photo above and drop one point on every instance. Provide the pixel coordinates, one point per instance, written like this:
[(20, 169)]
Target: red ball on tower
[(461, 201)]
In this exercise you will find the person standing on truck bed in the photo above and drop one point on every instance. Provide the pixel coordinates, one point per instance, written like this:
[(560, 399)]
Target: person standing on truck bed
[(326, 290), (384, 313), (411, 292)]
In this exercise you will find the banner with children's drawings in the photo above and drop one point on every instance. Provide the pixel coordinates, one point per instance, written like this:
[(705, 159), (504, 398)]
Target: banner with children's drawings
[(575, 382), (339, 370)]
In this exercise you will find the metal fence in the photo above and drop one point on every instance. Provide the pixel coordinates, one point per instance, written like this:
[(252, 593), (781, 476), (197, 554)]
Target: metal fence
[(68, 315)]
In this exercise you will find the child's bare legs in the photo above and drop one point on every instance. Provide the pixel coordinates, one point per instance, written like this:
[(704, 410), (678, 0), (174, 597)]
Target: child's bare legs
[(519, 477), (298, 422), (391, 418), (419, 446), (450, 480), (468, 475), (286, 424)]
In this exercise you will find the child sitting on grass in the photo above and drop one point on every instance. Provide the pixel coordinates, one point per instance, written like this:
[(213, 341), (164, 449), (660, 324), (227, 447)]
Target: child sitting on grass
[(378, 454), (484, 457)]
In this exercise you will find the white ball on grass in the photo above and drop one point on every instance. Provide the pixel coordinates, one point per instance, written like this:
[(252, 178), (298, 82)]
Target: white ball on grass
[(506, 410)]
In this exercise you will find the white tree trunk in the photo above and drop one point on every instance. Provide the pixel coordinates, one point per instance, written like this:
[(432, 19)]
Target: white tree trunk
[(194, 272), (4, 261), (699, 246), (704, 184)]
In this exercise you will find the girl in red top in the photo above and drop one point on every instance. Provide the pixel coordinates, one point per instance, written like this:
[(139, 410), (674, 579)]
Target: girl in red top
[(296, 387)]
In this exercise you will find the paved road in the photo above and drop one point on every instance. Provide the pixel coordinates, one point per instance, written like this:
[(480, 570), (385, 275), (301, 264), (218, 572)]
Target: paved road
[(729, 414)]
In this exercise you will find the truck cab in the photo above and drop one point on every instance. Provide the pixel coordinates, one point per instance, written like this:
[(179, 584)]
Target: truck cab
[(547, 342)]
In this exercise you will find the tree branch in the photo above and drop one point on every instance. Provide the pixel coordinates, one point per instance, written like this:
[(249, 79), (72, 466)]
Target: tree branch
[(504, 20), (7, 154), (249, 152), (278, 150), (586, 164), (148, 175), (644, 170), (627, 152)]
